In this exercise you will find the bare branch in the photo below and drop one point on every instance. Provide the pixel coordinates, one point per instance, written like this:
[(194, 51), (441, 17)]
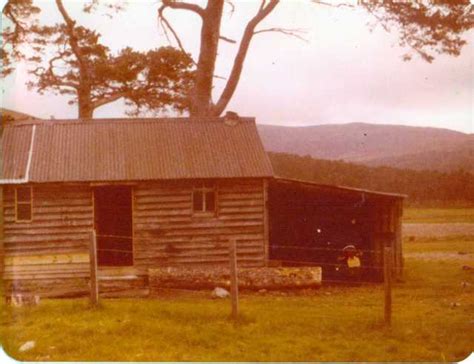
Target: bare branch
[(332, 5), (232, 7), (291, 32), (225, 39), (379, 20), (265, 9), (167, 27), (108, 99), (183, 6), (58, 81)]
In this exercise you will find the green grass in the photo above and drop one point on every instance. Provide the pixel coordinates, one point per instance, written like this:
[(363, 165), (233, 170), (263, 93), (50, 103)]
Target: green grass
[(453, 244), (438, 215), (330, 324)]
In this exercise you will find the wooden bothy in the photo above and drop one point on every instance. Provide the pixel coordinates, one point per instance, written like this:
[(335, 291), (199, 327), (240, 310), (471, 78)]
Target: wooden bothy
[(162, 192)]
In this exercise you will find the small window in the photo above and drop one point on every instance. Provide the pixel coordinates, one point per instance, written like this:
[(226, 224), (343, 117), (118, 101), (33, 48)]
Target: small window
[(23, 203), (204, 199)]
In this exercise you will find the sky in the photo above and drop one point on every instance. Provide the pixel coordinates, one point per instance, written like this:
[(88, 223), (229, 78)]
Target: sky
[(345, 71)]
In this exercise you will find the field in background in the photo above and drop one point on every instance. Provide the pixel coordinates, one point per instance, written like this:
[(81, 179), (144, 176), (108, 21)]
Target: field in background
[(438, 215), (432, 321)]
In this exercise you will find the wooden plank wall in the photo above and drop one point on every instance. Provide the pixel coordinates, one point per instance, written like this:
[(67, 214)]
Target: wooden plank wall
[(2, 252), (50, 252), (166, 233), (50, 256)]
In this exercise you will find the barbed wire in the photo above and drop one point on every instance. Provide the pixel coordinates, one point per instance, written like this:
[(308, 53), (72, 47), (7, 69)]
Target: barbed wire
[(286, 261), (299, 247), (115, 250), (319, 248), (320, 263), (117, 237)]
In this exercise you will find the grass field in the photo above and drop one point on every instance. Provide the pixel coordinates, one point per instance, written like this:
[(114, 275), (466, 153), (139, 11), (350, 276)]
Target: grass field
[(438, 215), (329, 324)]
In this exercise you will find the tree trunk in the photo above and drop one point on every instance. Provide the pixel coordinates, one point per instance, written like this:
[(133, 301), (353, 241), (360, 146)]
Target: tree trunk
[(85, 107), (201, 97)]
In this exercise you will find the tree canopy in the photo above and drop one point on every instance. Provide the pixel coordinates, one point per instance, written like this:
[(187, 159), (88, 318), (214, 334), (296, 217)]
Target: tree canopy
[(69, 59), (424, 27), (19, 14)]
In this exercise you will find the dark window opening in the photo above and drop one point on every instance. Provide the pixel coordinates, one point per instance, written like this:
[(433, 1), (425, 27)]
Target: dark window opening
[(198, 201)]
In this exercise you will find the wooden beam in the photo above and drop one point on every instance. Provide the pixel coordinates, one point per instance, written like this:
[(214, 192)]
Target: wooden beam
[(93, 269), (46, 259), (234, 284), (388, 286)]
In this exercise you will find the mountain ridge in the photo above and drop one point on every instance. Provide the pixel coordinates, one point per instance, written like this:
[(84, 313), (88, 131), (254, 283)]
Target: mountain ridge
[(402, 146)]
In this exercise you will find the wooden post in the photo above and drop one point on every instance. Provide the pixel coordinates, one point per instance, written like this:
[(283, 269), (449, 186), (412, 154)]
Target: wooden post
[(388, 286), (93, 269), (234, 284), (398, 240)]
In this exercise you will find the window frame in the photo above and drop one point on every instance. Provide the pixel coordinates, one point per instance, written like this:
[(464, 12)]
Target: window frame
[(23, 203), (204, 188)]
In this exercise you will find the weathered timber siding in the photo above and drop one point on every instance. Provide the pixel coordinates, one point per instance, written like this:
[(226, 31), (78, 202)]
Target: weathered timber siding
[(51, 251), (2, 252), (50, 254), (166, 233)]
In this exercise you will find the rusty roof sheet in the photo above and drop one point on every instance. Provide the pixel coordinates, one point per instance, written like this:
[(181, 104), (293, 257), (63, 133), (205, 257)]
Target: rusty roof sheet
[(339, 188), (133, 149), (14, 151)]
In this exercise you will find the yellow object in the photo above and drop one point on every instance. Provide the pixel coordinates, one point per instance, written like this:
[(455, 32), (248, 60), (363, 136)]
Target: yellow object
[(353, 262)]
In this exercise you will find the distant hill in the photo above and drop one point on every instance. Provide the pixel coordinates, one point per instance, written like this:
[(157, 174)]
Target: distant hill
[(425, 188), (15, 115), (375, 145)]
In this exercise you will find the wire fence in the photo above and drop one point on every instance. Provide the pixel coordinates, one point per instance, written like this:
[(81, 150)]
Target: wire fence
[(273, 246), (332, 260), (342, 272)]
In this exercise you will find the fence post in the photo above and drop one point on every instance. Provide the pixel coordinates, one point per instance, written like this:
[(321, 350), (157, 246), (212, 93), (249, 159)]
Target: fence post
[(93, 268), (387, 266), (234, 284)]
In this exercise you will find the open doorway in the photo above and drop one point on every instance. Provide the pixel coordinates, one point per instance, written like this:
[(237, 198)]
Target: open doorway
[(113, 224)]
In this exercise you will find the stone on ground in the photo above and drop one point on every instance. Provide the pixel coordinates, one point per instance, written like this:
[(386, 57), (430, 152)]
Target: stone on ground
[(219, 292), (27, 346)]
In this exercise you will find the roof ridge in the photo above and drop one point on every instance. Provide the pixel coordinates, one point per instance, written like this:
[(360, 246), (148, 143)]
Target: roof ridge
[(124, 121)]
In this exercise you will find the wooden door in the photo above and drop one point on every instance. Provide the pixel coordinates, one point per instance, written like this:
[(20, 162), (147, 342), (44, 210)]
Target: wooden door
[(113, 224)]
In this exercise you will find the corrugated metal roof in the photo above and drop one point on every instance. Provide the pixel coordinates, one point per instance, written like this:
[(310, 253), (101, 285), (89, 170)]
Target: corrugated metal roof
[(14, 152), (339, 188), (134, 149)]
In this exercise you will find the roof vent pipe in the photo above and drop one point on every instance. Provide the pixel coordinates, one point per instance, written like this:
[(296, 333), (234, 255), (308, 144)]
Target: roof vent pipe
[(231, 118)]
